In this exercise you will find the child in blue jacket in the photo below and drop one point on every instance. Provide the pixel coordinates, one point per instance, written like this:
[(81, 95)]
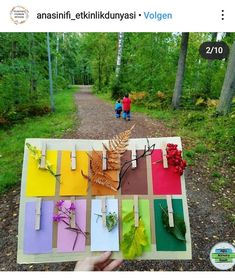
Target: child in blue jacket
[(118, 108)]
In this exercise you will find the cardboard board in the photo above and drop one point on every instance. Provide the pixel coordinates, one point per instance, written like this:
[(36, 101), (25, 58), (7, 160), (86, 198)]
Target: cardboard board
[(56, 251)]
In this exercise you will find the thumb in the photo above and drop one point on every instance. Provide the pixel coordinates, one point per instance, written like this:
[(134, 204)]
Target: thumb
[(102, 258)]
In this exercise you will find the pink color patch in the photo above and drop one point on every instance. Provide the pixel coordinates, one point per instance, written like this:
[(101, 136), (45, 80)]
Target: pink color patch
[(165, 180), (66, 238)]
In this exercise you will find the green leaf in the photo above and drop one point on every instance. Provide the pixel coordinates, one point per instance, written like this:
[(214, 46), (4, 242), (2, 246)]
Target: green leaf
[(179, 229), (129, 217), (134, 241), (111, 221)]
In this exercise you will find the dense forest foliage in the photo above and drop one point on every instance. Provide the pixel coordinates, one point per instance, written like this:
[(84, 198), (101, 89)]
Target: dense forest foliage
[(24, 80), (147, 69), (149, 65)]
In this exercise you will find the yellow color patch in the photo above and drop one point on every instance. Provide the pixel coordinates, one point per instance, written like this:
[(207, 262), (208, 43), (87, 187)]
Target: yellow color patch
[(41, 182), (72, 181)]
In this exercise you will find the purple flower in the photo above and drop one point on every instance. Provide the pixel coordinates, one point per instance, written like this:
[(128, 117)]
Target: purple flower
[(59, 204), (58, 217), (72, 207)]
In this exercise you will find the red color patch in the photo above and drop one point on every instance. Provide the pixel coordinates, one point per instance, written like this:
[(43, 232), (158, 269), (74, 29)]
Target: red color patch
[(165, 180)]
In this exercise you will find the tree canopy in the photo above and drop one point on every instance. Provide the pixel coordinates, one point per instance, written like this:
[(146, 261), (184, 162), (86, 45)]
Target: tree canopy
[(148, 65)]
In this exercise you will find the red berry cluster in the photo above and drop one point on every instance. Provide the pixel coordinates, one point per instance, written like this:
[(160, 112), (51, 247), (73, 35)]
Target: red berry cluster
[(174, 157)]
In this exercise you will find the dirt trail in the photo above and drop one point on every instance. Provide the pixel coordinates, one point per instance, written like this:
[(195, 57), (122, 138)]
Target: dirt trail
[(97, 120), (209, 223)]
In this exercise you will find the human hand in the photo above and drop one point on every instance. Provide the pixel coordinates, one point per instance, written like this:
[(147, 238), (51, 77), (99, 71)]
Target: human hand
[(98, 263)]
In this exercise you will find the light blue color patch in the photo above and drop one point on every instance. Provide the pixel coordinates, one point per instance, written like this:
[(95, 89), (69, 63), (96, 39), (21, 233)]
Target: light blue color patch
[(101, 238)]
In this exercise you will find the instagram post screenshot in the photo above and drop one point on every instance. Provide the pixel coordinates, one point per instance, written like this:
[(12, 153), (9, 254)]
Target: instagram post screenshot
[(117, 137)]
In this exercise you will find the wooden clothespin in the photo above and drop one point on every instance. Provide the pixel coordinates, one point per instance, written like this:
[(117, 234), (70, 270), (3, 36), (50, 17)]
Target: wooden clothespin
[(73, 158), (104, 159), (136, 210), (104, 210), (38, 205), (73, 215), (43, 156), (170, 210), (133, 157), (164, 158)]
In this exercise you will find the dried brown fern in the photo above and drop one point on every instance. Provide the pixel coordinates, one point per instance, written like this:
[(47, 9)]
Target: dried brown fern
[(97, 175), (120, 142), (117, 146)]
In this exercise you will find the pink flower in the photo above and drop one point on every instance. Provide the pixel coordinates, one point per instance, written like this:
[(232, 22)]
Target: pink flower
[(59, 204), (72, 207), (58, 217)]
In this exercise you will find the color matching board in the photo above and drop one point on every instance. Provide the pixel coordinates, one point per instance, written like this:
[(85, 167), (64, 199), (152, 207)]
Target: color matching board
[(40, 239)]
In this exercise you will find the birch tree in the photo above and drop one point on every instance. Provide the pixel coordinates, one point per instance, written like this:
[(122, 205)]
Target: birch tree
[(119, 55)]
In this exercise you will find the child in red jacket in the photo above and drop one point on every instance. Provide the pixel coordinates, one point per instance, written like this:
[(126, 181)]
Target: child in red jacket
[(126, 107)]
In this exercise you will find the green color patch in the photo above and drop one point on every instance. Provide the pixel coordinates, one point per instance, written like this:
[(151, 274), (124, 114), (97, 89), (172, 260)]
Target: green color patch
[(127, 206), (165, 241)]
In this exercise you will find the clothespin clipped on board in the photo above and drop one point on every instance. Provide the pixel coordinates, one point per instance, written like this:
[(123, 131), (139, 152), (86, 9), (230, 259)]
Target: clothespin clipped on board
[(133, 157), (164, 154), (104, 210), (43, 156), (170, 210), (73, 158), (136, 210), (73, 215), (38, 205), (104, 159)]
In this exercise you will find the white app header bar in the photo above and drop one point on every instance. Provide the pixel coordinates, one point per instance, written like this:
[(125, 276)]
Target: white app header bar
[(116, 16)]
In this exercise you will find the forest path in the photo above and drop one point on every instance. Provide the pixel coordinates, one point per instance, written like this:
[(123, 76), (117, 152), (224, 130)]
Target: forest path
[(209, 224), (97, 120)]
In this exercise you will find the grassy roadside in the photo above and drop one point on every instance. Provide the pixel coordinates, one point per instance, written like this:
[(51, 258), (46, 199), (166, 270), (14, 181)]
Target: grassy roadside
[(208, 141), (51, 125)]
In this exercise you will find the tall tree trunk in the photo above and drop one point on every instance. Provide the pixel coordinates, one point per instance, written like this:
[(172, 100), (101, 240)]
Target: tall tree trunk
[(50, 73), (119, 56), (228, 88), (56, 61), (180, 71), (209, 72), (33, 79), (57, 52)]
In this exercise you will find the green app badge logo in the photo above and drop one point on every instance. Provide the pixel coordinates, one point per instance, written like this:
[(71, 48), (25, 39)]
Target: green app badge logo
[(222, 256)]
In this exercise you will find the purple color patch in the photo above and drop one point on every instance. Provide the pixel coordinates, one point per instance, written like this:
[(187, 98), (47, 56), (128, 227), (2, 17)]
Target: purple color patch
[(65, 237), (38, 241)]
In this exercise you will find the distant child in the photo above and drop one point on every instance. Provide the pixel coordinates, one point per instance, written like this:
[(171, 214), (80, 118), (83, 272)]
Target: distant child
[(118, 108), (126, 103)]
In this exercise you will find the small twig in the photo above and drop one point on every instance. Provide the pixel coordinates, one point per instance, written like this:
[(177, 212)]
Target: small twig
[(64, 212), (147, 151), (98, 215), (66, 222), (163, 210), (75, 241)]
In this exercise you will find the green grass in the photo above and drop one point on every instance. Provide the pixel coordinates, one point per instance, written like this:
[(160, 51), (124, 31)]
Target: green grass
[(218, 184), (12, 140), (226, 203)]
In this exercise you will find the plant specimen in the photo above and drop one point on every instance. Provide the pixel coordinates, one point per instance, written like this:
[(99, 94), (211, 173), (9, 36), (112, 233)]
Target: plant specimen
[(37, 155), (125, 167), (135, 239), (174, 158), (117, 146), (65, 215), (111, 220), (179, 229)]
